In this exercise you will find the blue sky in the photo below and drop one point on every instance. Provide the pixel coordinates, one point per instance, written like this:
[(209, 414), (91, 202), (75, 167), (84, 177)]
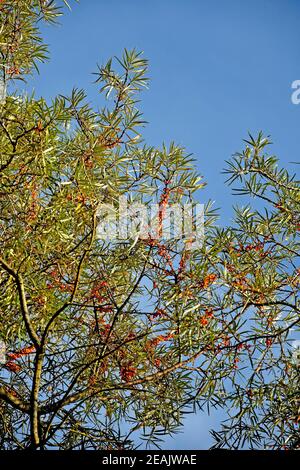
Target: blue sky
[(218, 69)]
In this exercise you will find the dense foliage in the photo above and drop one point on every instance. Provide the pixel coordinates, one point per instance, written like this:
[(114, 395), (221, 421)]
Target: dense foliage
[(108, 340)]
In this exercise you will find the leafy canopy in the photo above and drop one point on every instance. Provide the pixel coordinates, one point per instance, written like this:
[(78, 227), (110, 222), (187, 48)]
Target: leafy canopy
[(108, 340)]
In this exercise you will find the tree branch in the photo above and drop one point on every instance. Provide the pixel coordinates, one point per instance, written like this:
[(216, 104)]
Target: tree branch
[(14, 401), (23, 303)]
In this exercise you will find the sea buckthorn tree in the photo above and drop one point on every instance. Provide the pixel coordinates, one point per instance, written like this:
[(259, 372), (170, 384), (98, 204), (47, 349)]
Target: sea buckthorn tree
[(112, 340), (260, 274)]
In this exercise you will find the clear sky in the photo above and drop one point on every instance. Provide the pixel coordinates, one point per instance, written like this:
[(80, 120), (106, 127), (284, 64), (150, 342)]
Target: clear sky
[(218, 69)]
